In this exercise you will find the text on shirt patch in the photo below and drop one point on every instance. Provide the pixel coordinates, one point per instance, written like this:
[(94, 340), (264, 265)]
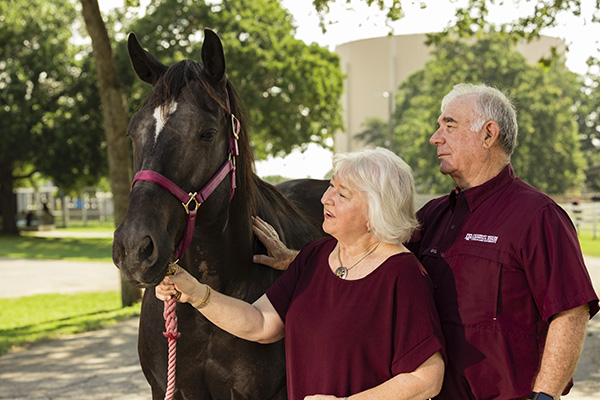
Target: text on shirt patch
[(477, 237)]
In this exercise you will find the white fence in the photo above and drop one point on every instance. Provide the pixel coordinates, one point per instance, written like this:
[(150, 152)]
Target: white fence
[(585, 217)]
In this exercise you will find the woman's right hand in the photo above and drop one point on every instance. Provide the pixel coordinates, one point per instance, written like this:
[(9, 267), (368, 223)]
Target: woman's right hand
[(179, 282)]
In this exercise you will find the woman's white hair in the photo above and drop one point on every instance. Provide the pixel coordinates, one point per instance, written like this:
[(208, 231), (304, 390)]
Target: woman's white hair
[(387, 184)]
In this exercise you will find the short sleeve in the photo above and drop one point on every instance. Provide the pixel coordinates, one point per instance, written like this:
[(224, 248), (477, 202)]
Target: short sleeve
[(418, 333), (554, 265)]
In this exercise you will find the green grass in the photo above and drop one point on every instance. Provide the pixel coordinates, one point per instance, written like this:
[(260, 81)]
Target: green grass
[(589, 245), (31, 319), (96, 226), (78, 249)]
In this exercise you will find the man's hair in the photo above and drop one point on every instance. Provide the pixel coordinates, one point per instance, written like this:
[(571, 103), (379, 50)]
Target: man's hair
[(491, 104), (386, 183)]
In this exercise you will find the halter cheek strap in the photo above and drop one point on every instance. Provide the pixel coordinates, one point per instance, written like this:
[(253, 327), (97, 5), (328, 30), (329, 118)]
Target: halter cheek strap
[(197, 198)]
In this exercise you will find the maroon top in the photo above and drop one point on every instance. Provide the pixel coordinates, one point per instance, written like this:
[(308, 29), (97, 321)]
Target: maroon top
[(504, 258), (346, 336)]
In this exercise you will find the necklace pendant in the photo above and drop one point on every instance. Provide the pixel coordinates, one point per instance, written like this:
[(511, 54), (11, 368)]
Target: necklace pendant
[(341, 272)]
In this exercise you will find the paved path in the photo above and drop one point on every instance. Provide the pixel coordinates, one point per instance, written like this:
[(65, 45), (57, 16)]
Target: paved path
[(104, 364)]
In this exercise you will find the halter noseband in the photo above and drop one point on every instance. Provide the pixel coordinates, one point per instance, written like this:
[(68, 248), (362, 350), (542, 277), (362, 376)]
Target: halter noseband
[(197, 198)]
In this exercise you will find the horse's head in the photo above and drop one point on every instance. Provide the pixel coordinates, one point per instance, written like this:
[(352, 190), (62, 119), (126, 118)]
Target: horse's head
[(183, 135)]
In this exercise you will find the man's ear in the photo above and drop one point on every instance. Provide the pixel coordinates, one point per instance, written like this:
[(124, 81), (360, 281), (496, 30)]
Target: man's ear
[(491, 131)]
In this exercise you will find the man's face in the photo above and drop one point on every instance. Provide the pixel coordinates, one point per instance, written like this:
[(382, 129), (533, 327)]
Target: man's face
[(460, 150)]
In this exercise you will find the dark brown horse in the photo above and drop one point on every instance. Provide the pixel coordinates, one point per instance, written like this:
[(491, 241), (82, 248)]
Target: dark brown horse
[(183, 133)]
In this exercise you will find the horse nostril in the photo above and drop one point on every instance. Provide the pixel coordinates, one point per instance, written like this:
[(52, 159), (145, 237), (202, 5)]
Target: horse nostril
[(146, 248)]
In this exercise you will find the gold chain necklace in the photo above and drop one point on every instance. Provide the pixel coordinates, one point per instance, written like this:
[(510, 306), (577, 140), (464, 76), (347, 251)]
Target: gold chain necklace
[(342, 272)]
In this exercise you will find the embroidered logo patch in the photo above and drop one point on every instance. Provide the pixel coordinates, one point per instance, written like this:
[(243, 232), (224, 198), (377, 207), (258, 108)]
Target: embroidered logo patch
[(477, 237)]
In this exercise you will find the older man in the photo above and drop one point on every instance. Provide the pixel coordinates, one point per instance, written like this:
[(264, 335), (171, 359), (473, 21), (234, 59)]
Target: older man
[(511, 287)]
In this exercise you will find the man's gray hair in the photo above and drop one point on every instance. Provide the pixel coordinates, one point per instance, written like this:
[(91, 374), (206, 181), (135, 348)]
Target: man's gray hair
[(386, 183), (491, 104)]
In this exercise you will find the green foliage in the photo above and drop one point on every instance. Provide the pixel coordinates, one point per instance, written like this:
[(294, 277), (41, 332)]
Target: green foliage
[(30, 319), (45, 248), (375, 132), (472, 17), (291, 90), (49, 118), (588, 120), (547, 156)]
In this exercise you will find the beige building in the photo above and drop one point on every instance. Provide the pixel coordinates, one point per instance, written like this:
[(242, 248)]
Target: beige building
[(374, 68)]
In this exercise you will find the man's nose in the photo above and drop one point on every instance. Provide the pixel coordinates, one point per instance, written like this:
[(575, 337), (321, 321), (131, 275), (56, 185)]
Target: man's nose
[(436, 138)]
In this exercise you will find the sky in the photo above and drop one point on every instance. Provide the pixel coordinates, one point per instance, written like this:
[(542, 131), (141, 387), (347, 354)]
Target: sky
[(354, 20)]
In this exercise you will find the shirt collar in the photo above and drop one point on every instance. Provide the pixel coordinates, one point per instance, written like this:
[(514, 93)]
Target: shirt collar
[(477, 195)]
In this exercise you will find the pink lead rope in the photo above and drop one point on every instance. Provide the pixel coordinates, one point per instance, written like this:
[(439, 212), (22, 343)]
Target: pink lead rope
[(172, 335), (186, 199)]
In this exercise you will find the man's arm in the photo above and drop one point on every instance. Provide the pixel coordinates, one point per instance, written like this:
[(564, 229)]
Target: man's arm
[(562, 350)]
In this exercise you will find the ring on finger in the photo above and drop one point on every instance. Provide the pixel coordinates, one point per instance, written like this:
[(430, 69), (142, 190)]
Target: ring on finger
[(178, 295)]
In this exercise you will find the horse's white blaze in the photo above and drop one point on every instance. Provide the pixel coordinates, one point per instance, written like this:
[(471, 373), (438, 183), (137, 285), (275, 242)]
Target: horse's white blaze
[(161, 117)]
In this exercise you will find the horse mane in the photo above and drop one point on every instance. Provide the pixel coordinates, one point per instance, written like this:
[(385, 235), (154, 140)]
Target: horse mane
[(179, 77)]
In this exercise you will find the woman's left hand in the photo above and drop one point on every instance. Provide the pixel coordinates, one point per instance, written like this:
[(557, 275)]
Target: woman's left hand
[(322, 397)]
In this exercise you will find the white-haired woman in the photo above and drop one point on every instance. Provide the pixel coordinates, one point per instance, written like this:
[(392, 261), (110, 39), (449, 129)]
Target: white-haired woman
[(356, 308)]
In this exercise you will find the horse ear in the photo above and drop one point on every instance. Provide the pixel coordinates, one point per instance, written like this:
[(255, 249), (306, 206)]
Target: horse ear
[(212, 55), (146, 66)]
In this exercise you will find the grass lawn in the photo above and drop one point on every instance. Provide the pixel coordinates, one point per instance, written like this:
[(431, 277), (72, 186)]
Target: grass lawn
[(589, 245), (70, 248), (31, 319)]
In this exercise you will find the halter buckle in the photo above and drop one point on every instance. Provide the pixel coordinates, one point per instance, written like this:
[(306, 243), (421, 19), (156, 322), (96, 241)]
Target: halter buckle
[(192, 198)]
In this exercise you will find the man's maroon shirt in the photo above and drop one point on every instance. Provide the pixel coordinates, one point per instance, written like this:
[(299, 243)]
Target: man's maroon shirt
[(504, 259)]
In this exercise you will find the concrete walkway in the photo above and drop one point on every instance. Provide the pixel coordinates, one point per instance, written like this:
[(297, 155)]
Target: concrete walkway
[(104, 364)]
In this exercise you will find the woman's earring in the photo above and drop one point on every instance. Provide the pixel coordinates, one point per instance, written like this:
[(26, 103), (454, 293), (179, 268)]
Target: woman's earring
[(368, 229)]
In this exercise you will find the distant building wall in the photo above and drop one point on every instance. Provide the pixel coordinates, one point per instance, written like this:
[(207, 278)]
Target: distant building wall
[(374, 68)]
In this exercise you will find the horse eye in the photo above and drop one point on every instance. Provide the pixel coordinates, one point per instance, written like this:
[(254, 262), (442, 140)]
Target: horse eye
[(208, 135)]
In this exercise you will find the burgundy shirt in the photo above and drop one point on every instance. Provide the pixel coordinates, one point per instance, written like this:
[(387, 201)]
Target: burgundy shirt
[(346, 336), (504, 258)]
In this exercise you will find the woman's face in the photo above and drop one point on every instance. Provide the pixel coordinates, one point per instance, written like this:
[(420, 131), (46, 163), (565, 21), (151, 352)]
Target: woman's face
[(345, 211)]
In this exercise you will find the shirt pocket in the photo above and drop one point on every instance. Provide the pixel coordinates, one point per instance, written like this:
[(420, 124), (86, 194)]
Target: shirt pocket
[(475, 279)]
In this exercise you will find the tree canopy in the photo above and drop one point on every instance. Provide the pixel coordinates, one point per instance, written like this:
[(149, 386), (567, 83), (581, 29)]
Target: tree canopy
[(48, 114), (474, 16)]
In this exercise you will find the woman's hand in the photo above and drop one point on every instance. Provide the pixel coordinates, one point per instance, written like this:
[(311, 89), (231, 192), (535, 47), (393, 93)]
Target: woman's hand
[(279, 257), (180, 282), (322, 397)]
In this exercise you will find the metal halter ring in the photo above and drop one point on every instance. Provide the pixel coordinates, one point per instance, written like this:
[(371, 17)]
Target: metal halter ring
[(192, 198)]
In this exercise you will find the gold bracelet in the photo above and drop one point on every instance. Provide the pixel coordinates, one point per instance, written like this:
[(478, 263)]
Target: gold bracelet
[(205, 300)]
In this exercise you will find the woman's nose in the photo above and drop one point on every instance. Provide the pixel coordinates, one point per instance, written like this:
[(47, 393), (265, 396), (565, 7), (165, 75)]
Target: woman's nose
[(326, 196)]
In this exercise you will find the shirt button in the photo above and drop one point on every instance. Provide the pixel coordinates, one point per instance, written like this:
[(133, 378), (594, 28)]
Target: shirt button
[(443, 255), (453, 226)]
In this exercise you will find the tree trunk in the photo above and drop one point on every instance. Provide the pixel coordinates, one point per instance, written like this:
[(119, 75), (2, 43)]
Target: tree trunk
[(115, 123), (7, 203)]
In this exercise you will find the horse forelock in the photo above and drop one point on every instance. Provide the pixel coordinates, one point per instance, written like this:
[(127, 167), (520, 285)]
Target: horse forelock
[(181, 76)]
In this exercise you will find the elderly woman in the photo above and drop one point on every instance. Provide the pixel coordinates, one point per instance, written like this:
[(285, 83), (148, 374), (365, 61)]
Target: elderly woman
[(356, 308)]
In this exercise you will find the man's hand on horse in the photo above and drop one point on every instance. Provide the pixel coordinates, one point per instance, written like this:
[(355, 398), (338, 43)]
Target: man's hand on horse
[(278, 255)]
